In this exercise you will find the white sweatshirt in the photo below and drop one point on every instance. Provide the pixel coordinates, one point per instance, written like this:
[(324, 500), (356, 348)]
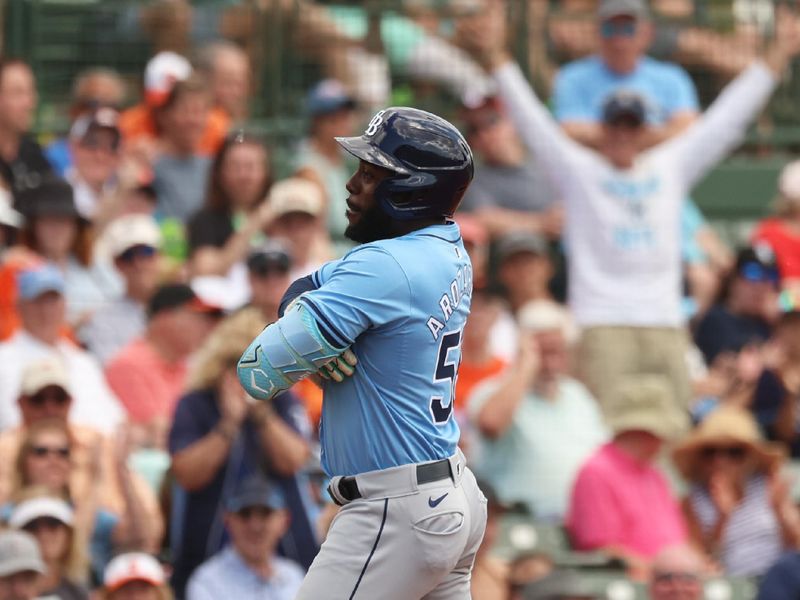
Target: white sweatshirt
[(622, 227)]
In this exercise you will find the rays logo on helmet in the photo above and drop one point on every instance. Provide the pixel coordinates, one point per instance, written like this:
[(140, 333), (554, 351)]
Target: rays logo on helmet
[(372, 128)]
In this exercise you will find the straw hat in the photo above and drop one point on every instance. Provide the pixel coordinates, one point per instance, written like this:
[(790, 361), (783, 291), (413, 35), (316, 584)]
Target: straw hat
[(727, 425)]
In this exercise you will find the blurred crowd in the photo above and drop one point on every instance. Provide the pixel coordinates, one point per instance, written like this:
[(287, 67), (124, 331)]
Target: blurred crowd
[(644, 408)]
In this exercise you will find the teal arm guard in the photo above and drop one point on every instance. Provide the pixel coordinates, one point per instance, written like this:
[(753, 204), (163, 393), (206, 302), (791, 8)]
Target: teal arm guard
[(284, 353)]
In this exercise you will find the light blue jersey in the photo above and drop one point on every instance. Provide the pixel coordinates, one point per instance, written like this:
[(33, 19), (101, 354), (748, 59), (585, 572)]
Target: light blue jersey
[(402, 304)]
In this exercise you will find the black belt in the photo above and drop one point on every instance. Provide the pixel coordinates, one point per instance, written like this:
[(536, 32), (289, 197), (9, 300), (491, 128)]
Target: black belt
[(426, 473)]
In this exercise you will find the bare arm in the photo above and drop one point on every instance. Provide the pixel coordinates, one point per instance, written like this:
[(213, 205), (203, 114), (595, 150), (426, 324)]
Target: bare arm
[(195, 466), (286, 449)]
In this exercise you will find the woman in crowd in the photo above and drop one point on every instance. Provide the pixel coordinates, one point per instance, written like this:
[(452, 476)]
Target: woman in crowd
[(738, 509), (55, 231), (44, 461), (51, 520), (134, 576), (220, 233)]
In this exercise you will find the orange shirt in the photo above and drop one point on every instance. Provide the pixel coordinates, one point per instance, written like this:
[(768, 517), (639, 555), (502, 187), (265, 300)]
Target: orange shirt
[(470, 375), (137, 122)]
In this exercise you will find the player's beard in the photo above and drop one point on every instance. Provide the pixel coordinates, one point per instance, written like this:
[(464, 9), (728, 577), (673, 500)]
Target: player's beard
[(373, 224)]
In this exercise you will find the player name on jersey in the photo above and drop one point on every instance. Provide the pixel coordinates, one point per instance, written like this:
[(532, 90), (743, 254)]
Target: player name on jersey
[(460, 286)]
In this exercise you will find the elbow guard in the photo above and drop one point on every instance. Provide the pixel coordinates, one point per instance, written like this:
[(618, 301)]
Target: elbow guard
[(286, 351)]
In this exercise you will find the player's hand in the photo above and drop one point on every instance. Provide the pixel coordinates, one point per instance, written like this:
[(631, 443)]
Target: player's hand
[(339, 368)]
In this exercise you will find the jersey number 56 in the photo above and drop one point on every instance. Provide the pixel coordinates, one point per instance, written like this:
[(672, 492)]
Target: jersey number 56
[(446, 371)]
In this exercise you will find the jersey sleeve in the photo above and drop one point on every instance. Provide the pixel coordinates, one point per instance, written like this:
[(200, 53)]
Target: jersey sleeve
[(366, 289)]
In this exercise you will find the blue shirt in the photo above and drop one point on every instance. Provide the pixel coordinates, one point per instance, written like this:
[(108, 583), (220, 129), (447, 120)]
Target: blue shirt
[(401, 304), (227, 576), (582, 87)]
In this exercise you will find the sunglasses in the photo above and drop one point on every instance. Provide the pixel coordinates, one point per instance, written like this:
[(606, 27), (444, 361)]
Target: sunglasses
[(266, 264), (58, 397), (94, 142), (42, 451), (755, 272), (134, 252), (675, 577), (611, 29), (736, 453), (43, 523)]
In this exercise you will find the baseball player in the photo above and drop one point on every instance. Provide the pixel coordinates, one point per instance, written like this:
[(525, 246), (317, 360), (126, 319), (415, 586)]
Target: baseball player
[(412, 516)]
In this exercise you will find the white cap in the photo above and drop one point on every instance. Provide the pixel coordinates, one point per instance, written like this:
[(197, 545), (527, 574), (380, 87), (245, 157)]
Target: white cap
[(545, 315), (37, 508), (19, 552), (43, 373), (789, 181), (131, 230), (220, 292), (161, 74), (296, 195), (132, 566)]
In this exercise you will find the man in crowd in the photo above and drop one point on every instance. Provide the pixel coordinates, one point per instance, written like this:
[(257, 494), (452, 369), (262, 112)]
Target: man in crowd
[(22, 162), (268, 274), (132, 242), (227, 69), (149, 374), (42, 310), (21, 566), (510, 191), (537, 425), (677, 574), (248, 568)]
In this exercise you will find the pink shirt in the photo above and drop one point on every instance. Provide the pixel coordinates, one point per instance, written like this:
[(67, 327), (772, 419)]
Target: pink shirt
[(146, 384), (619, 501)]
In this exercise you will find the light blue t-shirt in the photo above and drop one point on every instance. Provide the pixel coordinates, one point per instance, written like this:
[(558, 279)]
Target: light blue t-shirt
[(582, 87), (401, 304)]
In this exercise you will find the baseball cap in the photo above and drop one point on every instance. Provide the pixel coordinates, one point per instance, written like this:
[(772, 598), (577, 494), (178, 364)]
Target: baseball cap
[(485, 113), (268, 258), (757, 263), (327, 96), (519, 242), (296, 195), (219, 293), (53, 197), (102, 118), (789, 181), (19, 552), (624, 104), (37, 508), (133, 230), (132, 566), (38, 280), (175, 295), (646, 404), (609, 9), (546, 315), (43, 373), (254, 491), (160, 75)]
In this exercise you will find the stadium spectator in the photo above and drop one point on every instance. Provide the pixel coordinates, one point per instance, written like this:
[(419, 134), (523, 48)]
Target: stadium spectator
[(221, 232), (738, 509), (248, 568), (476, 242), (64, 460), (747, 306), (677, 574), (538, 426), (180, 169), (52, 522), (582, 87), (149, 374), (94, 88), (95, 150), (268, 269), (22, 162), (12, 260), (297, 208), (331, 114), (623, 208), (509, 192), (41, 307), (21, 565), (227, 69), (782, 231), (218, 439), (134, 576), (490, 575), (774, 401), (133, 242), (782, 581), (140, 123), (621, 503), (55, 231)]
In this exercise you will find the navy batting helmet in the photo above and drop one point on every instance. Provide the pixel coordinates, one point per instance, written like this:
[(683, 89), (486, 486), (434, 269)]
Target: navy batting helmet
[(431, 160)]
